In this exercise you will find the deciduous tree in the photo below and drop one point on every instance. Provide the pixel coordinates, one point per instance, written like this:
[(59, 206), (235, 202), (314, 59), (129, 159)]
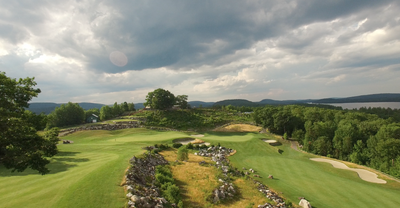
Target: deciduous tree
[(20, 145)]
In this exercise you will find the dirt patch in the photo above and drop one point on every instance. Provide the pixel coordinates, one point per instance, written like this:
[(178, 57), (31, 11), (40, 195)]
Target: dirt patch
[(239, 128), (365, 175)]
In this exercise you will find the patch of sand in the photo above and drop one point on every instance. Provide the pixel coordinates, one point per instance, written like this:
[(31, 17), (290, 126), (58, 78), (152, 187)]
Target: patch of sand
[(362, 173), (269, 140), (186, 141)]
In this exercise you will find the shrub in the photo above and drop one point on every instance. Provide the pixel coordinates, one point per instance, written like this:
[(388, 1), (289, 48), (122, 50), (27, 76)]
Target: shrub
[(183, 153), (172, 194), (177, 145), (164, 170), (162, 179), (190, 146), (180, 204)]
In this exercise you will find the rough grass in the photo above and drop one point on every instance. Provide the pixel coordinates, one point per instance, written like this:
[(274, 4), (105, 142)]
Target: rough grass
[(197, 183), (239, 128)]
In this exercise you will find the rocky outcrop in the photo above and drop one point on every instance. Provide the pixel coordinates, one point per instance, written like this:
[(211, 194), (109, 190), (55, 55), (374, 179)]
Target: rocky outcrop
[(270, 195), (140, 181)]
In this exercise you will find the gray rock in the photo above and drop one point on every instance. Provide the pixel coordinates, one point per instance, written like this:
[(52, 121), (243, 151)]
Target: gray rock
[(135, 198)]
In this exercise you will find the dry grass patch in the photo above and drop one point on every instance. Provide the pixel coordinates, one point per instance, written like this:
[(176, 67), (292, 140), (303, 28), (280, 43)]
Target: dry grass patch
[(197, 141), (239, 128), (197, 182)]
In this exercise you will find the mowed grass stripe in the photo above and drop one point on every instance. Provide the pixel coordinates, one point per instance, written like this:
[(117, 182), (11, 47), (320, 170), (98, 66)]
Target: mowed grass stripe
[(298, 176), (37, 188)]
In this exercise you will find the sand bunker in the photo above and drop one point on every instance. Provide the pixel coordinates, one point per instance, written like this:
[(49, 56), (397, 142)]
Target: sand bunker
[(362, 173), (197, 135), (186, 141), (269, 140)]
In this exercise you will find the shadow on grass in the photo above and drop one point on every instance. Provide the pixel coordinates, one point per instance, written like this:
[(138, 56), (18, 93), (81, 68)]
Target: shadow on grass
[(275, 144), (59, 163)]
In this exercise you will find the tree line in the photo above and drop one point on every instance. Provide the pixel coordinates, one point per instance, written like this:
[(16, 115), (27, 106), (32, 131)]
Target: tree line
[(73, 114), (355, 136)]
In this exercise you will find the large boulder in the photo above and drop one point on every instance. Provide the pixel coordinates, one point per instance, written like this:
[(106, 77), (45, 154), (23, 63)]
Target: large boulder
[(304, 203)]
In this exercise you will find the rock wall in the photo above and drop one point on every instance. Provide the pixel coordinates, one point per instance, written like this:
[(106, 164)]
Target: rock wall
[(140, 182)]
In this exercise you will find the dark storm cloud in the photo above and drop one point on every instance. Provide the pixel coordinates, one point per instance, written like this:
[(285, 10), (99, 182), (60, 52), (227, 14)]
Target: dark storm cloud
[(165, 33)]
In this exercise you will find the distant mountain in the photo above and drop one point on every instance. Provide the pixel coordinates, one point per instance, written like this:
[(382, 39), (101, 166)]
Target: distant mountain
[(237, 102), (383, 97), (198, 103), (49, 107)]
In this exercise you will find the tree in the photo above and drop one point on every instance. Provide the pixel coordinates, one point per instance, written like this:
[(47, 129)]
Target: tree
[(131, 107), (20, 145), (65, 115), (106, 113), (183, 153), (181, 100), (160, 99)]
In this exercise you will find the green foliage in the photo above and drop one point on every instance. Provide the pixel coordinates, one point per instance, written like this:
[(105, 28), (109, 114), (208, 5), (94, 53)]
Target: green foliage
[(39, 122), (20, 145), (190, 146), (160, 99), (181, 100), (177, 145), (165, 181), (107, 112), (162, 179), (180, 204), (172, 194), (183, 153), (66, 115), (193, 119), (358, 137)]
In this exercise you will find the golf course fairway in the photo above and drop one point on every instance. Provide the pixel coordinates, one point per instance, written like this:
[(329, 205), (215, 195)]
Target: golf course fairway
[(88, 173)]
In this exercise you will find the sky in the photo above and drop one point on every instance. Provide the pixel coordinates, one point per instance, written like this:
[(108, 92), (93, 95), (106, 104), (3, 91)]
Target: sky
[(114, 51)]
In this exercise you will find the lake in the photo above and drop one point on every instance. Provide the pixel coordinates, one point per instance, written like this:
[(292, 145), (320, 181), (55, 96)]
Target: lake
[(392, 105)]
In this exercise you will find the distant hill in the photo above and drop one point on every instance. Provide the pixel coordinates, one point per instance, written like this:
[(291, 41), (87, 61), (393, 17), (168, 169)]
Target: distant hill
[(383, 97), (49, 107), (198, 103), (237, 102)]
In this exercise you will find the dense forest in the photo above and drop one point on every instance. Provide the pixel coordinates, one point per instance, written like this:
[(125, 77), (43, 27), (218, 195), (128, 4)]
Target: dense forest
[(355, 136)]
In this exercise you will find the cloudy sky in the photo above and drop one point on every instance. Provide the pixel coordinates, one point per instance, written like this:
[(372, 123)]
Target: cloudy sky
[(106, 51)]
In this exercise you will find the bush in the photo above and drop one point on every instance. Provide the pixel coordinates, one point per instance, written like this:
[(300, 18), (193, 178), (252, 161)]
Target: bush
[(164, 170), (162, 179), (189, 146), (172, 194), (180, 204), (183, 153), (177, 145)]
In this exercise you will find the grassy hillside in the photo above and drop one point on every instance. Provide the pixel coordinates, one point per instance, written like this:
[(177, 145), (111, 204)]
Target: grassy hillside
[(88, 173)]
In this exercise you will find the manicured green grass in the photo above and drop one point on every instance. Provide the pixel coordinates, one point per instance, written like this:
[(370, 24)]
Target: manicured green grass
[(88, 172), (297, 176)]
